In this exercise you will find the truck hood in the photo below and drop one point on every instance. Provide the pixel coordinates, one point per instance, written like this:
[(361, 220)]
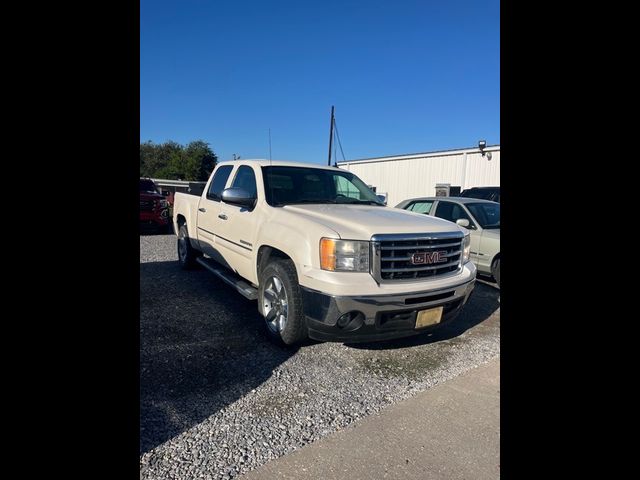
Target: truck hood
[(360, 222)]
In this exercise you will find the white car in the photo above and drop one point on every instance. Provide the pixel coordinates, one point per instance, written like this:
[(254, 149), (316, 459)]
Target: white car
[(481, 217)]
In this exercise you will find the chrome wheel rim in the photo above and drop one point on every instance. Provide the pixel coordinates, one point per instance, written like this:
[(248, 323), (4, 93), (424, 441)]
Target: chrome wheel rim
[(276, 306)]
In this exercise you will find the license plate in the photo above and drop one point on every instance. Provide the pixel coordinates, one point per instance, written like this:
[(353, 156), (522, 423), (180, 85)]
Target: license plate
[(428, 317)]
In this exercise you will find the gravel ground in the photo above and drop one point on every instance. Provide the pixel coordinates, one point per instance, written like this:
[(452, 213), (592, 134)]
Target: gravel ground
[(217, 399)]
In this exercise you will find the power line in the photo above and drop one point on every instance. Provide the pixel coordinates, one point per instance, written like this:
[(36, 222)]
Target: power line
[(335, 126)]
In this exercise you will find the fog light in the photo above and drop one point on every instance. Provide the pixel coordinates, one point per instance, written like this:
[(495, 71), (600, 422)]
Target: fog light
[(350, 321), (344, 320)]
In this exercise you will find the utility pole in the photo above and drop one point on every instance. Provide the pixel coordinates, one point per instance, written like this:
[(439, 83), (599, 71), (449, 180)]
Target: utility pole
[(330, 136)]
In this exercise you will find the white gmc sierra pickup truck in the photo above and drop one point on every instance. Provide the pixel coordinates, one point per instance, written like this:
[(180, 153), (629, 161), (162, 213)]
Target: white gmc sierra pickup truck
[(321, 254)]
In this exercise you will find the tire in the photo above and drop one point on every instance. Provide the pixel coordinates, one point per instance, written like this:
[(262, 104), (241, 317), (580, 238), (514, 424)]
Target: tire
[(281, 303), (495, 271), (186, 253)]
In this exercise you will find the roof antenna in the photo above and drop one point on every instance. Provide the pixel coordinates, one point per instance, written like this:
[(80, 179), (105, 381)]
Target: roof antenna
[(330, 136), (272, 199)]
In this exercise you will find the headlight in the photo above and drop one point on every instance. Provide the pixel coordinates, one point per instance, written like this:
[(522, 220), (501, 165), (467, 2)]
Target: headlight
[(467, 248), (344, 255), (163, 203)]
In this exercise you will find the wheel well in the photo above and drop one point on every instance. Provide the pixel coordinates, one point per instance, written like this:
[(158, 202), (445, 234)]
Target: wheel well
[(266, 253), (495, 259), (180, 220)]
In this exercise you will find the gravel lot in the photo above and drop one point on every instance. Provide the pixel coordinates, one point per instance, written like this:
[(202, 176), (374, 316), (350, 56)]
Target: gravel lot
[(217, 399)]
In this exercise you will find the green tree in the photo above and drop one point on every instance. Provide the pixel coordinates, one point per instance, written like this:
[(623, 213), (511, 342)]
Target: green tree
[(199, 160), (170, 160)]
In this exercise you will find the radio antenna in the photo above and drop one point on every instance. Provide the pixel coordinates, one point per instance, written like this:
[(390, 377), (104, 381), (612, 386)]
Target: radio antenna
[(272, 199)]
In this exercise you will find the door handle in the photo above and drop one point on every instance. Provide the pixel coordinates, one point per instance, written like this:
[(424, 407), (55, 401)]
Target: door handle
[(222, 216), (202, 209)]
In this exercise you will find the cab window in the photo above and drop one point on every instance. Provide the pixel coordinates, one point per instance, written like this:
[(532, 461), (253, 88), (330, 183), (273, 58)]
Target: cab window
[(246, 180), (219, 181)]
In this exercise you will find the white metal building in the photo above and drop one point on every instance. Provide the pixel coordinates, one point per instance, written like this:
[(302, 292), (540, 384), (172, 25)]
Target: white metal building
[(416, 175)]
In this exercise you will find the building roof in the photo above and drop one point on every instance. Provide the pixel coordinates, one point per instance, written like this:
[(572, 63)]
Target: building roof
[(437, 153)]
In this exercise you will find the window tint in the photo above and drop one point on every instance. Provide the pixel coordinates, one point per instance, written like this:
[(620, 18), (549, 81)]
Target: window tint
[(291, 185), (452, 212), (346, 188), (421, 207), (246, 180), (219, 181), (487, 214)]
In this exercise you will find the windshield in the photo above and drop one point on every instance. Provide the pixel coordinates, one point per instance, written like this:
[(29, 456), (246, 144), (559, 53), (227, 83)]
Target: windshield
[(487, 214), (148, 186), (294, 185)]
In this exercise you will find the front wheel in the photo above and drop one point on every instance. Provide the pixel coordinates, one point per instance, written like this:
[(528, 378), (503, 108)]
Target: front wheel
[(281, 303)]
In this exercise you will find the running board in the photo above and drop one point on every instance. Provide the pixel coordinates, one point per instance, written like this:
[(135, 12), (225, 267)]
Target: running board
[(229, 277)]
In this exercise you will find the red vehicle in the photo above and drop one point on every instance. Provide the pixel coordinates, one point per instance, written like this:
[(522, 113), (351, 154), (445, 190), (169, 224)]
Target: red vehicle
[(154, 208)]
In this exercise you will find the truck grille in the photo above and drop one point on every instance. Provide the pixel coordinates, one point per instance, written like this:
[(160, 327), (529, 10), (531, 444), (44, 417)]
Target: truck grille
[(392, 255), (146, 205)]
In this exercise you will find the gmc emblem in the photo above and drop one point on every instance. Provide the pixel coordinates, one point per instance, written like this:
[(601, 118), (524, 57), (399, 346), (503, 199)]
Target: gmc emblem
[(428, 257)]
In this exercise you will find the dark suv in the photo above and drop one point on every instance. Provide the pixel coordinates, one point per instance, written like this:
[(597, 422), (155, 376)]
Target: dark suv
[(485, 193)]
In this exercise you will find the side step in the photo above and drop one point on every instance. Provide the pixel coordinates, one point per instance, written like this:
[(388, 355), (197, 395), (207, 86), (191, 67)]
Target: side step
[(229, 277)]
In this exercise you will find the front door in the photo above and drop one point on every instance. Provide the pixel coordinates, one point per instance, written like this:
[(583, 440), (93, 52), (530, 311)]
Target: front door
[(236, 227), (452, 211)]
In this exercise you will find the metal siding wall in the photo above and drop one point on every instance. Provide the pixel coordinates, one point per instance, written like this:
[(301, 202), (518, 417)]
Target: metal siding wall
[(417, 177), (482, 172)]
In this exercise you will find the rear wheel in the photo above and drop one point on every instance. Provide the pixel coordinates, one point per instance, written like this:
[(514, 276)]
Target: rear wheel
[(281, 303), (495, 271), (186, 253)]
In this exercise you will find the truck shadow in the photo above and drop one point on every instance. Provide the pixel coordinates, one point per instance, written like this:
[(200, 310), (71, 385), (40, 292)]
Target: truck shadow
[(202, 347), (146, 229), (481, 305)]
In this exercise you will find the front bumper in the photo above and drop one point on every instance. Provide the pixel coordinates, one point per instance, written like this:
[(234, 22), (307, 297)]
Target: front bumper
[(160, 218), (378, 317)]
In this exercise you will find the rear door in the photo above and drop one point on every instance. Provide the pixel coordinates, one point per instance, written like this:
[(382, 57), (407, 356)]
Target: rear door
[(209, 208)]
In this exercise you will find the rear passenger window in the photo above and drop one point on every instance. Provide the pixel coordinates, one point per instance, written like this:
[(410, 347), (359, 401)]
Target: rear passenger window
[(246, 180), (219, 181)]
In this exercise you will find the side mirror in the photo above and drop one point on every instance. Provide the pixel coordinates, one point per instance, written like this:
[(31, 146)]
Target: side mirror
[(382, 198), (463, 222), (238, 196)]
